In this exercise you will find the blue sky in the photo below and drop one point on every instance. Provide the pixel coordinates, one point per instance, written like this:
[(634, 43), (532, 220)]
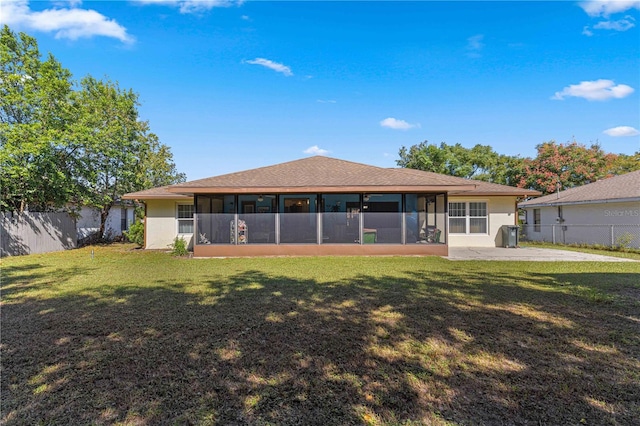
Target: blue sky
[(233, 85)]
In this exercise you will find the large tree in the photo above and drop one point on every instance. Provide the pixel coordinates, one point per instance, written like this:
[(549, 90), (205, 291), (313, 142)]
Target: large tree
[(64, 145), (480, 162), (564, 166), (625, 163), (119, 154), (556, 166), (34, 126)]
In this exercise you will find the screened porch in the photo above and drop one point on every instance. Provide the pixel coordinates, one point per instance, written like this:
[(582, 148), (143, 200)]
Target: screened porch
[(320, 219)]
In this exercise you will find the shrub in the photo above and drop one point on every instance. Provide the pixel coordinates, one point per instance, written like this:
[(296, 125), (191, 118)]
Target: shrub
[(135, 234), (624, 240), (179, 247)]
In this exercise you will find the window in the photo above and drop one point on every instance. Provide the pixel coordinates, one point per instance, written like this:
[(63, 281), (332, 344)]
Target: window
[(478, 218), (185, 218), (468, 218), (536, 220), (123, 219), (457, 218)]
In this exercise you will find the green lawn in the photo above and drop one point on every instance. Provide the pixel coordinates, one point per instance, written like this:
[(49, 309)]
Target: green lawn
[(141, 338)]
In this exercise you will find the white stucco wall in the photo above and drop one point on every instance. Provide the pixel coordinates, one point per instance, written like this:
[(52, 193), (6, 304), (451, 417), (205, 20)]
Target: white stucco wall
[(501, 211), (113, 226), (161, 227), (88, 221)]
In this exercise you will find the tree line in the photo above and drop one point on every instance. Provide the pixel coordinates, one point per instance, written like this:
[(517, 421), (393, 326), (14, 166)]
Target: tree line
[(65, 143), (557, 166)]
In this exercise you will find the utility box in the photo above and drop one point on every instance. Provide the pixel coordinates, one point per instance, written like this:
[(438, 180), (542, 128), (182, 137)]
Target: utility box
[(510, 236)]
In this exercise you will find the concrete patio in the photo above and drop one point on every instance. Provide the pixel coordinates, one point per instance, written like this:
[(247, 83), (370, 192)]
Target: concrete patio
[(527, 254)]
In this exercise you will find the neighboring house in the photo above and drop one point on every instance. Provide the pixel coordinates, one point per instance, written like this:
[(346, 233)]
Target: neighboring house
[(121, 216), (605, 212), (324, 206)]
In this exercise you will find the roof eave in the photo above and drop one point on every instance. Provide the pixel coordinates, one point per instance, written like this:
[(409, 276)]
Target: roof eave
[(171, 196), (494, 193), (567, 203)]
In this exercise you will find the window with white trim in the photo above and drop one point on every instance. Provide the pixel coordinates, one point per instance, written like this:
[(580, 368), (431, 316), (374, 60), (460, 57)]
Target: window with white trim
[(457, 218), (185, 218), (468, 217)]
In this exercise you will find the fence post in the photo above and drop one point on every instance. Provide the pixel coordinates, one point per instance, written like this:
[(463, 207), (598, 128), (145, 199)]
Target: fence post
[(553, 234), (612, 240)]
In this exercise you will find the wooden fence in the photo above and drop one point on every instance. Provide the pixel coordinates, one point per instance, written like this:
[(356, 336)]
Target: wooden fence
[(30, 233)]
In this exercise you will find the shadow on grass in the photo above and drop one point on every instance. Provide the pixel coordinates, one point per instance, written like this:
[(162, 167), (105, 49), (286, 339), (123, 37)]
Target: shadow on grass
[(261, 349)]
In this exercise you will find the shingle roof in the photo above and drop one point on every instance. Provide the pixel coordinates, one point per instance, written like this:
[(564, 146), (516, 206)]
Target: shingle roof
[(620, 188), (481, 187), (158, 193), (325, 174), (317, 173)]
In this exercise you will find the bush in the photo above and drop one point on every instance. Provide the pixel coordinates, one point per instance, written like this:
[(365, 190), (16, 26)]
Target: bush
[(179, 247), (135, 234), (624, 240)]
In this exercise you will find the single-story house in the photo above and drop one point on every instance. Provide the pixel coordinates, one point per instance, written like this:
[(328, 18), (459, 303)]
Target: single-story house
[(605, 212), (120, 217), (325, 206)]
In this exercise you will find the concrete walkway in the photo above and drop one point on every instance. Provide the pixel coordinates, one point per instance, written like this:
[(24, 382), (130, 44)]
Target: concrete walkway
[(527, 254)]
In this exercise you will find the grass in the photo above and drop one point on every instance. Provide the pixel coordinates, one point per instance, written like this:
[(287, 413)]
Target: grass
[(133, 338), (627, 253)]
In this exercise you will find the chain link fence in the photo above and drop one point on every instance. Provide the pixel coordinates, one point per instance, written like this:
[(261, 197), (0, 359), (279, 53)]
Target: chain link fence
[(627, 236)]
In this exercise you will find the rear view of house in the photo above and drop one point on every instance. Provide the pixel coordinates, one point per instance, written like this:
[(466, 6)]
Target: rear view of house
[(325, 206)]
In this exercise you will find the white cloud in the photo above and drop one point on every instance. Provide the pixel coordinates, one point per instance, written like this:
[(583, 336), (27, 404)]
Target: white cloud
[(475, 45), (608, 7), (326, 101), (194, 6), (315, 150), (63, 3), (272, 65), (71, 23), (598, 90), (587, 31), (620, 25), (393, 123), (622, 131)]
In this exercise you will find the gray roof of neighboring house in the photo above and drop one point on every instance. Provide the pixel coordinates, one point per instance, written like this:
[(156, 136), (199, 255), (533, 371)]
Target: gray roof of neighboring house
[(614, 189), (325, 174)]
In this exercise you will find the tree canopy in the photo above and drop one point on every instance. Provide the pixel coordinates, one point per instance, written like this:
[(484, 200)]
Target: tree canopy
[(480, 162), (556, 166), (66, 143), (35, 113)]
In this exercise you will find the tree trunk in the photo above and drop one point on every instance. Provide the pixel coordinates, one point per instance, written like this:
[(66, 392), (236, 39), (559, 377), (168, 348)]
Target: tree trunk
[(104, 214)]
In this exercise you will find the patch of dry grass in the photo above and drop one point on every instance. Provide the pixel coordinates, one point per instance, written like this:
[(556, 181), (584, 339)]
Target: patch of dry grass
[(142, 338)]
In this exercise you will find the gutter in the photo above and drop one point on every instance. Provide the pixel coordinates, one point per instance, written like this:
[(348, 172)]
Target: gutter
[(570, 203)]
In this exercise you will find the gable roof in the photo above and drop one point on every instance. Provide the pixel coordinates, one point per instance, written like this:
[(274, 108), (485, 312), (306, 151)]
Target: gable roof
[(617, 188), (325, 174)]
